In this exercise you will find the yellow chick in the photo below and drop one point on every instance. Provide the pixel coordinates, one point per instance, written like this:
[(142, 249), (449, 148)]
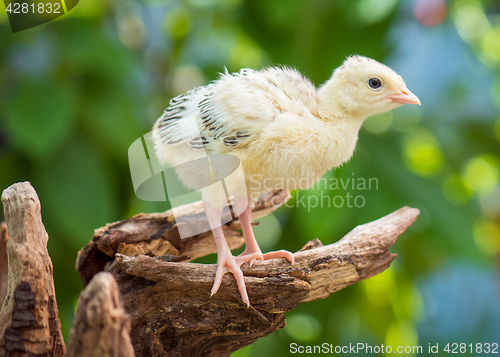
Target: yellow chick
[(286, 133)]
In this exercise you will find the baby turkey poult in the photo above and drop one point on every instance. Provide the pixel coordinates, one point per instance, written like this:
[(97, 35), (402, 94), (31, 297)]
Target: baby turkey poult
[(282, 129)]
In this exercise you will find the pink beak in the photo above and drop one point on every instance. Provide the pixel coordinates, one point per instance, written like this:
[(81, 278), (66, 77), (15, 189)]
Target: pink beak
[(405, 97)]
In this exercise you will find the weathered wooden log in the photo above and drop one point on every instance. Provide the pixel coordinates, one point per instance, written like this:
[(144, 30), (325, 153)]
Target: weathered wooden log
[(29, 319), (169, 300)]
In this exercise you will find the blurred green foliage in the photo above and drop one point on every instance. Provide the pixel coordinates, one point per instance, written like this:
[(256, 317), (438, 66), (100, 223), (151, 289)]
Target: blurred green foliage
[(76, 92)]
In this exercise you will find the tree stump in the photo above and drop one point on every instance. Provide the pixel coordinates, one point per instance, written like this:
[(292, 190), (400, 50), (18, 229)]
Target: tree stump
[(152, 290)]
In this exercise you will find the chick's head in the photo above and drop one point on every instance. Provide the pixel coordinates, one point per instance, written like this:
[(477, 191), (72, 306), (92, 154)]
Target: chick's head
[(362, 87)]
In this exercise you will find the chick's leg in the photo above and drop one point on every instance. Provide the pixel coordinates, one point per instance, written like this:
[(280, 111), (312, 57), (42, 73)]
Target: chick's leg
[(225, 260), (252, 250)]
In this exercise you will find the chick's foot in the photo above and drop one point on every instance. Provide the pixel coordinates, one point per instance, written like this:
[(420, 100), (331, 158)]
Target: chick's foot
[(227, 263), (251, 257)]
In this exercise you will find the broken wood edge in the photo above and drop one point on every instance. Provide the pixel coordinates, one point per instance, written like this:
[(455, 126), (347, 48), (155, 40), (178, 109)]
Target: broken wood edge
[(101, 326), (29, 318)]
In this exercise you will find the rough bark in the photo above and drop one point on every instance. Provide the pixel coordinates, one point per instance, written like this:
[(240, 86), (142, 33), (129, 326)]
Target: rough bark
[(133, 236), (101, 327), (29, 319), (169, 300)]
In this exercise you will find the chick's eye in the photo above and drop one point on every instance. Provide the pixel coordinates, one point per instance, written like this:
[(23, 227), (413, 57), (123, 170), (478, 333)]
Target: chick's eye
[(374, 83)]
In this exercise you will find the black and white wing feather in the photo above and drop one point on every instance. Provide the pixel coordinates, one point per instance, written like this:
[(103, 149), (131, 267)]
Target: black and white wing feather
[(196, 119), (180, 123)]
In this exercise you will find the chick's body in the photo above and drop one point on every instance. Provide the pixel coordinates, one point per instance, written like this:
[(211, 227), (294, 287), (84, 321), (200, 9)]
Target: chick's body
[(270, 120), (285, 131)]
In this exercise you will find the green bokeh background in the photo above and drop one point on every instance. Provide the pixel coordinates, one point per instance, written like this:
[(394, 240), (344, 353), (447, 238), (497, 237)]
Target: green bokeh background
[(76, 92)]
